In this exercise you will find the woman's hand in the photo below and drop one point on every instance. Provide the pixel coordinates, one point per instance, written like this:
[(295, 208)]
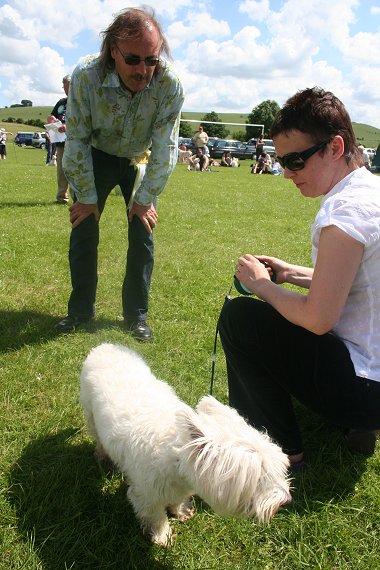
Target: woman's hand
[(250, 270), (276, 266)]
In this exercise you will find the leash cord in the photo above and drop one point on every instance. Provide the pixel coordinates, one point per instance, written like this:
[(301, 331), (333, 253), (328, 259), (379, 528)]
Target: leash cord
[(226, 299)]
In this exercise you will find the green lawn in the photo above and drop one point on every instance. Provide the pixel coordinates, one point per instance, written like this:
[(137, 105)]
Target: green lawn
[(58, 509)]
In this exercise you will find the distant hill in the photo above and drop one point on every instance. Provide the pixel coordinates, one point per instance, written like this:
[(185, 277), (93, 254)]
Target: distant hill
[(366, 135)]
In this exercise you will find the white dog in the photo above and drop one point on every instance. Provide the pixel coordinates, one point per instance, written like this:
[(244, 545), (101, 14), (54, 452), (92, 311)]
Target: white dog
[(168, 452), (184, 155)]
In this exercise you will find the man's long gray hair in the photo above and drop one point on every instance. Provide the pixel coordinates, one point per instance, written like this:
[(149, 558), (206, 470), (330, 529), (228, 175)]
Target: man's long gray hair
[(129, 25)]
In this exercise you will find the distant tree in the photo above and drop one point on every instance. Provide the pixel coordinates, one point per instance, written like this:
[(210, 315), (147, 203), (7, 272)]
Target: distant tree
[(263, 114), (219, 131), (26, 103), (35, 123), (185, 130), (240, 136)]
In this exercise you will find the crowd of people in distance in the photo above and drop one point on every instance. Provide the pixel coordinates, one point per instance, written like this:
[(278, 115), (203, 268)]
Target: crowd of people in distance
[(201, 161)]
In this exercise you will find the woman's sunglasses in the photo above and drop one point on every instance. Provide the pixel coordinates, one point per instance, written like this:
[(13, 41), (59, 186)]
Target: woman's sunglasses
[(296, 160), (131, 59)]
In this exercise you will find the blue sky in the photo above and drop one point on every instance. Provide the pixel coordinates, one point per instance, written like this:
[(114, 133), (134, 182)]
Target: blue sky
[(230, 54)]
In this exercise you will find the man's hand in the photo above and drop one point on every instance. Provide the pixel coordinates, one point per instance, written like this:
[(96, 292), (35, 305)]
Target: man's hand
[(147, 215), (79, 212)]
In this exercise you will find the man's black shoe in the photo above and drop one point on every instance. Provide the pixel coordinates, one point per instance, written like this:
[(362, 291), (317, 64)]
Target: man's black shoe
[(69, 324), (140, 330)]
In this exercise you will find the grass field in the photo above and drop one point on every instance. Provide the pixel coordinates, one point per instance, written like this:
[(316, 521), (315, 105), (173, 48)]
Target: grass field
[(58, 509)]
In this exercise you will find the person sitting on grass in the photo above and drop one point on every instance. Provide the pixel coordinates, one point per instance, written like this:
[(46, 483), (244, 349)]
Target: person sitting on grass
[(226, 159), (263, 165), (276, 166), (199, 161), (320, 346)]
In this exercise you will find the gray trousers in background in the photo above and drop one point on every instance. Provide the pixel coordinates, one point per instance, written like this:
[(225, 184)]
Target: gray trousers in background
[(63, 185)]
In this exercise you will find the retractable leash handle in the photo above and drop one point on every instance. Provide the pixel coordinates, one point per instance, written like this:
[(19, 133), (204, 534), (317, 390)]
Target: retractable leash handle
[(243, 290)]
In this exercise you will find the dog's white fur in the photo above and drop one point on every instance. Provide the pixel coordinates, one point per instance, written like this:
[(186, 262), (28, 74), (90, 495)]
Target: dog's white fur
[(184, 155), (168, 452)]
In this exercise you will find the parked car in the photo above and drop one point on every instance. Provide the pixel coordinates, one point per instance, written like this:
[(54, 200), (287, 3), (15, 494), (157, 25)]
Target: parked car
[(236, 148), (39, 140), (23, 139), (211, 142)]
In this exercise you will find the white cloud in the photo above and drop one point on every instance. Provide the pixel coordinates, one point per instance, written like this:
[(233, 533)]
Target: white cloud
[(196, 25), (256, 9), (230, 57)]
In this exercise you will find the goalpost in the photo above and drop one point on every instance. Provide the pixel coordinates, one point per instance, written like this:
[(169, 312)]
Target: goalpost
[(221, 123)]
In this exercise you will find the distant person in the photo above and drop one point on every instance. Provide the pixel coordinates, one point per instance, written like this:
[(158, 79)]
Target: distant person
[(200, 139), (276, 166), (263, 165), (226, 159), (199, 161), (259, 147), (3, 143), (51, 159), (123, 118), (59, 114)]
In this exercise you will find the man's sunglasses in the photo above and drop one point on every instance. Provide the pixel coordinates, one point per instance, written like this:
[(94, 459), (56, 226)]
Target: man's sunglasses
[(131, 59), (296, 160)]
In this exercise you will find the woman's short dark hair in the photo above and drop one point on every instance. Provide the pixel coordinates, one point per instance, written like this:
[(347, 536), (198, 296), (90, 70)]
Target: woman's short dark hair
[(321, 115), (129, 24)]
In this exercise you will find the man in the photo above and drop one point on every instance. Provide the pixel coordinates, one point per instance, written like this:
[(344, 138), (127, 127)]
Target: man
[(123, 120), (59, 114), (200, 139)]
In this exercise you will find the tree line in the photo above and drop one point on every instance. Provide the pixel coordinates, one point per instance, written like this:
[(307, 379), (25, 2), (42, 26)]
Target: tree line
[(31, 122), (262, 114)]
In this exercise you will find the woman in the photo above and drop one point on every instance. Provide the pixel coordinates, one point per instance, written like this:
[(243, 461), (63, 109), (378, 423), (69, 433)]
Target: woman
[(322, 347)]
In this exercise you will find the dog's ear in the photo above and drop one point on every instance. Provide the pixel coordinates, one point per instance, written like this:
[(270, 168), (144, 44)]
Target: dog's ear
[(189, 421), (211, 407)]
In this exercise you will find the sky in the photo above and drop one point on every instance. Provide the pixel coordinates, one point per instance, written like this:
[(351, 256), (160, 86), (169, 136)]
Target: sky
[(230, 54)]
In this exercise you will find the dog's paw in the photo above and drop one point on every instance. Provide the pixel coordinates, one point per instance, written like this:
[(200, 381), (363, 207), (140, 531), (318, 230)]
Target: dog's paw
[(164, 537), (182, 512)]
